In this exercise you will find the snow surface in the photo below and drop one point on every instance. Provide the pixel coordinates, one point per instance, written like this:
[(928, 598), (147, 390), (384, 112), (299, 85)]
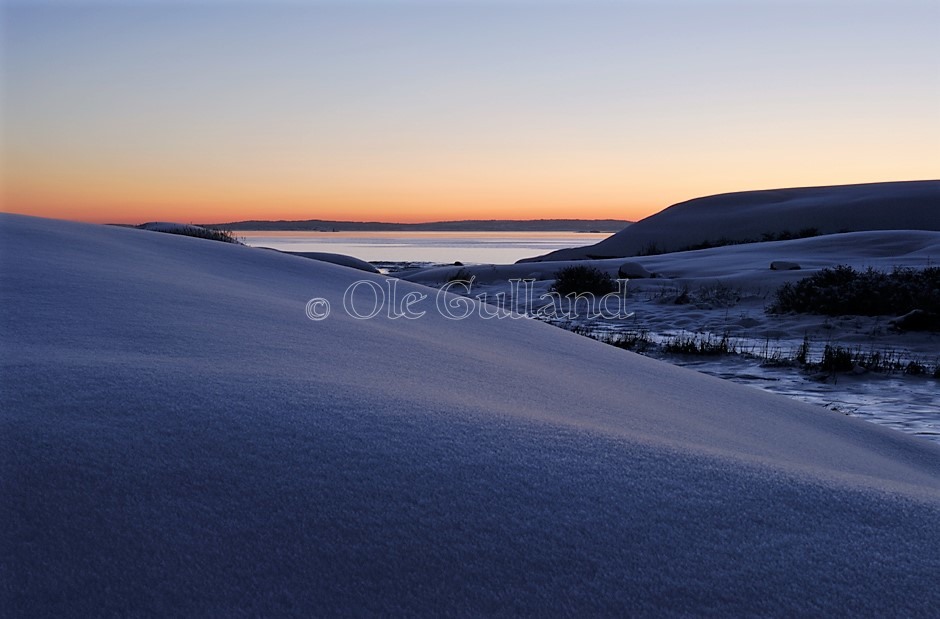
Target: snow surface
[(743, 270), (747, 264), (341, 259), (178, 438), (747, 215)]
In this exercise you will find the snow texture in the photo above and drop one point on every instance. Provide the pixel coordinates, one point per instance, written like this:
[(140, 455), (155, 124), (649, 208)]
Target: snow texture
[(746, 265), (747, 215), (341, 259), (743, 270), (179, 439)]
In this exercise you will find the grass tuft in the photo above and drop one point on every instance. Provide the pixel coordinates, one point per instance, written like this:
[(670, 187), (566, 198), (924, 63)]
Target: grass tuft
[(223, 236)]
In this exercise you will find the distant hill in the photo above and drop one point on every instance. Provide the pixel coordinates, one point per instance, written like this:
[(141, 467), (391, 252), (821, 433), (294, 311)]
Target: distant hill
[(775, 214), (469, 225)]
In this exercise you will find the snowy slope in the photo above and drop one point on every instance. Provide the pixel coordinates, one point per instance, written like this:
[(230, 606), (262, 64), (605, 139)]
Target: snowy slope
[(743, 270), (179, 438), (747, 215), (746, 264), (340, 259)]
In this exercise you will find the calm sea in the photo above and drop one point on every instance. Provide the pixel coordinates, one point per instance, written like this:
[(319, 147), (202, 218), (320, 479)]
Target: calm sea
[(437, 247)]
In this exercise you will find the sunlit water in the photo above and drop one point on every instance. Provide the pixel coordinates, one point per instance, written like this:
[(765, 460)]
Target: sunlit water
[(429, 247)]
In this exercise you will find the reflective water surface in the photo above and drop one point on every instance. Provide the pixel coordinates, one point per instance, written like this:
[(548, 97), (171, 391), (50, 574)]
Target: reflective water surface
[(432, 247)]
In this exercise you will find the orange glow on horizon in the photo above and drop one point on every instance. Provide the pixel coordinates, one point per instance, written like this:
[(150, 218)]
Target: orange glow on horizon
[(96, 205), (135, 212), (270, 113), (595, 185), (117, 192), (132, 198)]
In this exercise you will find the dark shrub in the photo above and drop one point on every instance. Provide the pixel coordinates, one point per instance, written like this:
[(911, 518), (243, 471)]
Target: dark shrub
[(582, 279), (806, 233), (844, 291)]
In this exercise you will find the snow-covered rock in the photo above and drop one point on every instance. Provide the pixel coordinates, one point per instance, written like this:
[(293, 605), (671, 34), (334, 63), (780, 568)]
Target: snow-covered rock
[(917, 320), (633, 270), (340, 259)]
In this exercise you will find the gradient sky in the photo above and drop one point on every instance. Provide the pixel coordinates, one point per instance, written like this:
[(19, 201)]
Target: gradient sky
[(408, 111)]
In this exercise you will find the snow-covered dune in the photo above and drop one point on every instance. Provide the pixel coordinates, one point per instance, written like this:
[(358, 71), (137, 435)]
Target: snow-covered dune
[(748, 215), (177, 437), (745, 264), (340, 259)]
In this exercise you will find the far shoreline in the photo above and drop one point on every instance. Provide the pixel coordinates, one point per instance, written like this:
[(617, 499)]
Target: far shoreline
[(470, 225)]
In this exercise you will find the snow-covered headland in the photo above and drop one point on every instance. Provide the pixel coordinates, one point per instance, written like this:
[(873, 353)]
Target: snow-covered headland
[(774, 213)]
